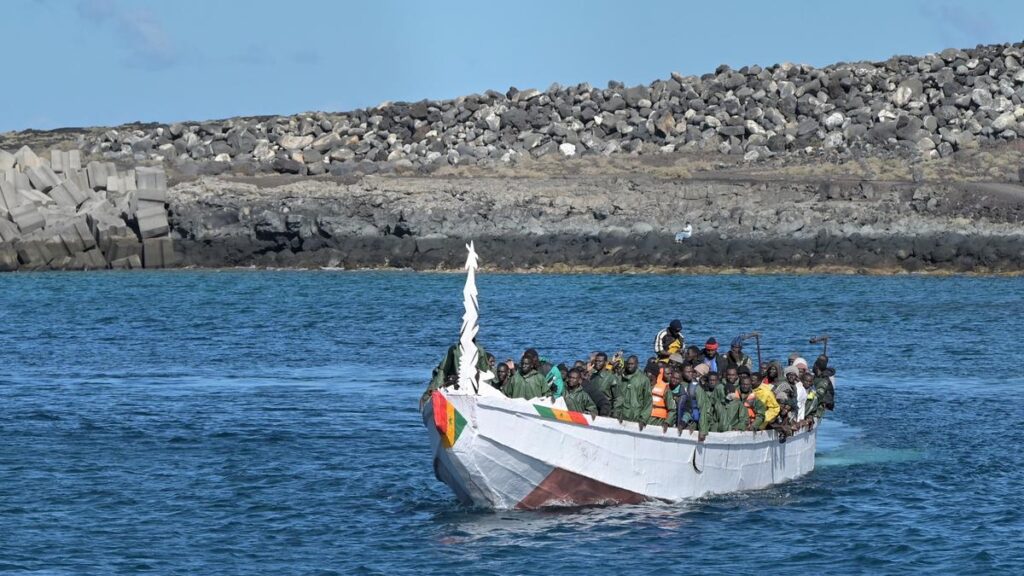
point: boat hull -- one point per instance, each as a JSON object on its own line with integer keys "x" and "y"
{"x": 503, "y": 453}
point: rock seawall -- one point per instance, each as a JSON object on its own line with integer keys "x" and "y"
{"x": 908, "y": 164}
{"x": 925, "y": 107}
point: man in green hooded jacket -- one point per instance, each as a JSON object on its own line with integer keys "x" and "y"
{"x": 710, "y": 400}
{"x": 526, "y": 381}
{"x": 576, "y": 398}
{"x": 603, "y": 379}
{"x": 632, "y": 393}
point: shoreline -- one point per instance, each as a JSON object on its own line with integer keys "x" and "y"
{"x": 568, "y": 270}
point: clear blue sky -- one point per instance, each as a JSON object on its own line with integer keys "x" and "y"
{"x": 106, "y": 62}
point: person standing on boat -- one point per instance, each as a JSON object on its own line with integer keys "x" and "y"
{"x": 503, "y": 376}
{"x": 814, "y": 409}
{"x": 756, "y": 409}
{"x": 447, "y": 372}
{"x": 710, "y": 396}
{"x": 632, "y": 393}
{"x": 602, "y": 381}
{"x": 793, "y": 377}
{"x": 823, "y": 382}
{"x": 715, "y": 362}
{"x": 576, "y": 399}
{"x": 731, "y": 380}
{"x": 669, "y": 341}
{"x": 735, "y": 356}
{"x": 688, "y": 411}
{"x": 526, "y": 381}
{"x": 663, "y": 404}
{"x": 766, "y": 395}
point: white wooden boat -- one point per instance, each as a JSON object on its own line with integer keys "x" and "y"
{"x": 497, "y": 452}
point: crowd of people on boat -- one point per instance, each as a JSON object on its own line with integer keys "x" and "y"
{"x": 687, "y": 387}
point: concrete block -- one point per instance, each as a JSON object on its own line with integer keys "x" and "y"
{"x": 32, "y": 253}
{"x": 63, "y": 161}
{"x": 9, "y": 199}
{"x": 152, "y": 195}
{"x": 99, "y": 172}
{"x": 88, "y": 260}
{"x": 158, "y": 253}
{"x": 7, "y": 160}
{"x": 153, "y": 224}
{"x": 128, "y": 263}
{"x": 28, "y": 218}
{"x": 77, "y": 237}
{"x": 121, "y": 248}
{"x": 8, "y": 259}
{"x": 42, "y": 178}
{"x": 80, "y": 178}
{"x": 63, "y": 197}
{"x": 152, "y": 178}
{"x": 26, "y": 158}
{"x": 30, "y": 196}
{"x": 8, "y": 231}
{"x": 21, "y": 181}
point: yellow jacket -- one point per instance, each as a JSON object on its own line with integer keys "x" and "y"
{"x": 765, "y": 394}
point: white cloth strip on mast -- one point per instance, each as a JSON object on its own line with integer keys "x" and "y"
{"x": 470, "y": 354}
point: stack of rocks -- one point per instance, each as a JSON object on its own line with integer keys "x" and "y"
{"x": 57, "y": 215}
{"x": 928, "y": 106}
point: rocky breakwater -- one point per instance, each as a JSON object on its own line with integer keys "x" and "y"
{"x": 614, "y": 222}
{"x": 920, "y": 107}
{"x": 56, "y": 214}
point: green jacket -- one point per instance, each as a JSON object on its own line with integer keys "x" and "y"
{"x": 710, "y": 403}
{"x": 734, "y": 415}
{"x": 530, "y": 386}
{"x": 606, "y": 381}
{"x": 814, "y": 407}
{"x": 826, "y": 391}
{"x": 577, "y": 400}
{"x": 633, "y": 397}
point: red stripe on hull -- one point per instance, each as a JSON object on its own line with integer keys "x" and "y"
{"x": 564, "y": 488}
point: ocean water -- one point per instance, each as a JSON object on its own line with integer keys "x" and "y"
{"x": 243, "y": 422}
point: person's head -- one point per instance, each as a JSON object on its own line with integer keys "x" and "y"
{"x": 651, "y": 368}
{"x": 792, "y": 358}
{"x": 691, "y": 353}
{"x": 743, "y": 370}
{"x": 544, "y": 367}
{"x": 711, "y": 348}
{"x": 575, "y": 379}
{"x": 746, "y": 383}
{"x": 526, "y": 364}
{"x": 821, "y": 364}
{"x": 532, "y": 353}
{"x": 675, "y": 375}
{"x": 688, "y": 374}
{"x": 675, "y": 360}
{"x": 792, "y": 374}
{"x": 807, "y": 380}
{"x": 563, "y": 370}
{"x": 801, "y": 365}
{"x": 600, "y": 360}
{"x": 736, "y": 348}
{"x": 579, "y": 364}
{"x": 731, "y": 374}
{"x": 675, "y": 327}
{"x": 632, "y": 363}
{"x": 502, "y": 372}
{"x": 712, "y": 379}
{"x": 772, "y": 371}
{"x": 491, "y": 360}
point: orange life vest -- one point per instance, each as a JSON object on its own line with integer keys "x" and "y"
{"x": 659, "y": 408}
{"x": 749, "y": 403}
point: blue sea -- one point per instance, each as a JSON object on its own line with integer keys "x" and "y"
{"x": 244, "y": 422}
